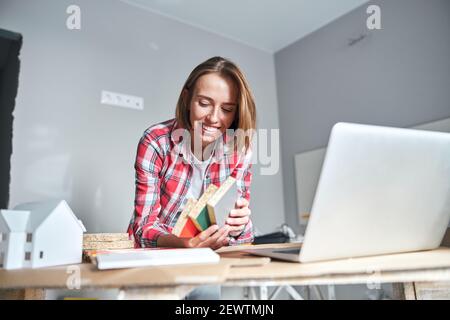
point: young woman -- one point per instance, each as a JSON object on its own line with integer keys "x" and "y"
{"x": 179, "y": 158}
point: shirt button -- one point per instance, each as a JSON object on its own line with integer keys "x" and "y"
{"x": 181, "y": 155}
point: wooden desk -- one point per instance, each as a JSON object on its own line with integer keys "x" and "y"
{"x": 416, "y": 275}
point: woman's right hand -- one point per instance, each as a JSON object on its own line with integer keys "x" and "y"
{"x": 213, "y": 238}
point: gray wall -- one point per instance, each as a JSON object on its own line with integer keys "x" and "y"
{"x": 67, "y": 145}
{"x": 397, "y": 76}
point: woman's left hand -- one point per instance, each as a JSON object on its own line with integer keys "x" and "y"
{"x": 238, "y": 217}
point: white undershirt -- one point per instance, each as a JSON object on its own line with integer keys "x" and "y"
{"x": 198, "y": 175}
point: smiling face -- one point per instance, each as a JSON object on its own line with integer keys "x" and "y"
{"x": 213, "y": 107}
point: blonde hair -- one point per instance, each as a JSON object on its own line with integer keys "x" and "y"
{"x": 245, "y": 118}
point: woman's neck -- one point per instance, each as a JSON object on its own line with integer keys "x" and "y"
{"x": 204, "y": 152}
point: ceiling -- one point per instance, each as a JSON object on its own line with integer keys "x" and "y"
{"x": 269, "y": 25}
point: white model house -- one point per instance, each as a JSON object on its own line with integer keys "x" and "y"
{"x": 43, "y": 234}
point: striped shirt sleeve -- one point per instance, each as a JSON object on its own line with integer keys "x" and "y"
{"x": 145, "y": 226}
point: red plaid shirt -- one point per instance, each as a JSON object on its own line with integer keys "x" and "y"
{"x": 163, "y": 173}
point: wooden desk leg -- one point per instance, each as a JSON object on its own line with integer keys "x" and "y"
{"x": 155, "y": 293}
{"x": 432, "y": 290}
{"x": 34, "y": 294}
{"x": 404, "y": 291}
{"x": 22, "y": 294}
{"x": 9, "y": 294}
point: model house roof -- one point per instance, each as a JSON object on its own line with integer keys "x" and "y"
{"x": 28, "y": 217}
{"x": 14, "y": 221}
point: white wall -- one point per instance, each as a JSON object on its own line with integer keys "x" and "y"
{"x": 67, "y": 145}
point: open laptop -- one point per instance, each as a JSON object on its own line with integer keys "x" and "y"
{"x": 381, "y": 190}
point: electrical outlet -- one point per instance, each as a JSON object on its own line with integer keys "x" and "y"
{"x": 122, "y": 100}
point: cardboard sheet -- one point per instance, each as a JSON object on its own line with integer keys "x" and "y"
{"x": 438, "y": 258}
{"x": 237, "y": 260}
{"x": 58, "y": 277}
{"x": 243, "y": 247}
{"x": 91, "y": 277}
